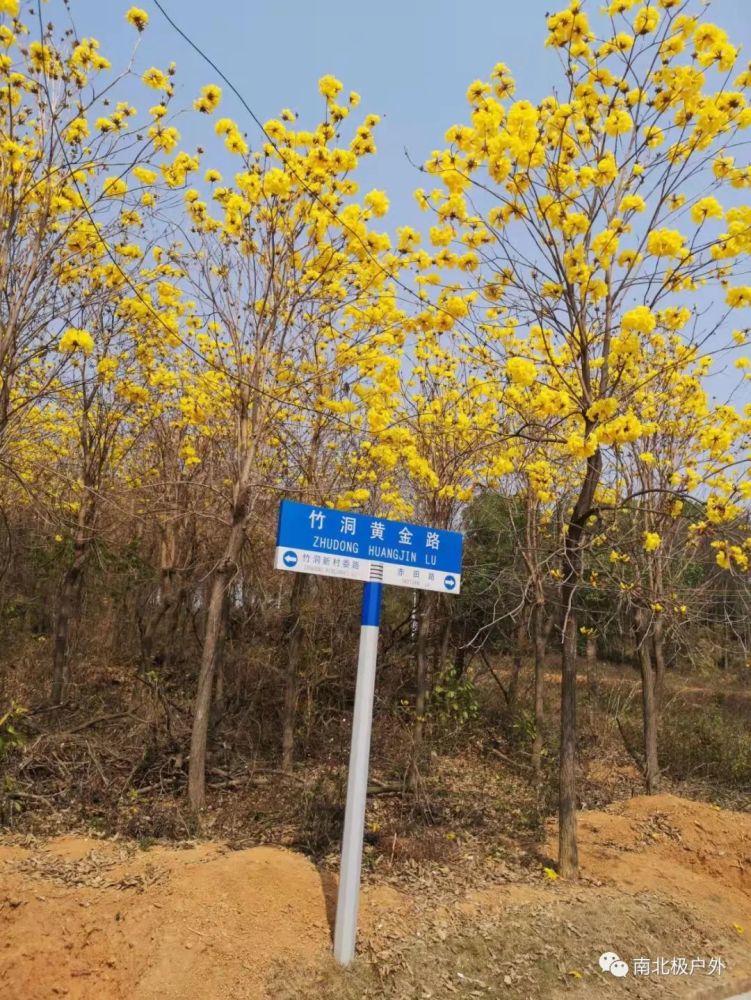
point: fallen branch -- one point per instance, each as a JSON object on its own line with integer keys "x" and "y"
{"x": 379, "y": 789}
{"x": 509, "y": 760}
{"x": 94, "y": 722}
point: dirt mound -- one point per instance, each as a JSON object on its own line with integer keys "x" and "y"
{"x": 686, "y": 849}
{"x": 87, "y": 919}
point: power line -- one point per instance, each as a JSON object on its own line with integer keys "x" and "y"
{"x": 134, "y": 288}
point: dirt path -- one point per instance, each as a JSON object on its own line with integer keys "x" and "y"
{"x": 100, "y": 919}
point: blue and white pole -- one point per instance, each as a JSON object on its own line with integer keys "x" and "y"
{"x": 345, "y": 933}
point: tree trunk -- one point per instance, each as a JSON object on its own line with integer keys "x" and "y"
{"x": 442, "y": 648}
{"x": 169, "y": 594}
{"x": 211, "y": 651}
{"x": 68, "y": 613}
{"x": 516, "y": 669}
{"x": 540, "y": 643}
{"x": 658, "y": 640}
{"x": 568, "y": 854}
{"x": 590, "y": 659}
{"x": 423, "y": 610}
{"x": 69, "y": 609}
{"x": 658, "y": 637}
{"x": 219, "y": 680}
{"x": 292, "y": 644}
{"x": 649, "y": 706}
{"x": 460, "y": 661}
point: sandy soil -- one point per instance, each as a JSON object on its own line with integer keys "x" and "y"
{"x": 86, "y": 919}
{"x": 685, "y": 849}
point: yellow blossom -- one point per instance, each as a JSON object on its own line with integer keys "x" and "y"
{"x": 155, "y": 79}
{"x": 646, "y": 20}
{"x": 137, "y": 17}
{"x": 521, "y": 371}
{"x": 665, "y": 243}
{"x": 76, "y": 340}
{"x": 738, "y": 297}
{"x": 114, "y": 187}
{"x": 209, "y": 100}
{"x": 329, "y": 86}
{"x": 377, "y": 202}
{"x": 706, "y": 208}
{"x": 652, "y": 541}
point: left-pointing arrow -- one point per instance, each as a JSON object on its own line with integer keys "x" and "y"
{"x": 290, "y": 558}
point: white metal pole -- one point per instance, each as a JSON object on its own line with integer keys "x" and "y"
{"x": 345, "y": 933}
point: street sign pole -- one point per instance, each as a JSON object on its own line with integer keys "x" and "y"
{"x": 354, "y": 546}
{"x": 345, "y": 933}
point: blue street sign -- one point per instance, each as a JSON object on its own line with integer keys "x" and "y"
{"x": 373, "y": 549}
{"x": 352, "y": 546}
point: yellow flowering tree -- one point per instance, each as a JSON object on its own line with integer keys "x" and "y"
{"x": 277, "y": 258}
{"x": 589, "y": 211}
{"x": 681, "y": 498}
{"x": 60, "y": 133}
{"x": 105, "y": 395}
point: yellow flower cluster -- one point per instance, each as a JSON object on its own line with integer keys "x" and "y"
{"x": 137, "y": 17}
{"x": 521, "y": 371}
{"x": 652, "y": 541}
{"x": 74, "y": 340}
{"x": 209, "y": 100}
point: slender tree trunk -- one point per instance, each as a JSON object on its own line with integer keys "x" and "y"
{"x": 292, "y": 644}
{"x": 658, "y": 637}
{"x": 68, "y": 614}
{"x": 649, "y": 706}
{"x": 568, "y": 854}
{"x": 168, "y": 595}
{"x": 219, "y": 672}
{"x": 540, "y": 643}
{"x": 442, "y": 648}
{"x": 516, "y": 667}
{"x": 658, "y": 640}
{"x": 424, "y": 606}
{"x": 165, "y": 618}
{"x": 460, "y": 652}
{"x": 4, "y": 405}
{"x": 69, "y": 607}
{"x": 211, "y": 651}
{"x": 174, "y": 627}
{"x": 591, "y": 667}
{"x": 460, "y": 660}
